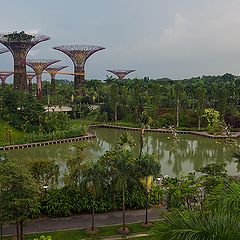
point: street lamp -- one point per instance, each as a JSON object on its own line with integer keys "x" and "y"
{"x": 45, "y": 187}
{"x": 1, "y": 213}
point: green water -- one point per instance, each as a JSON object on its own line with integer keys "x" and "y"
{"x": 191, "y": 153}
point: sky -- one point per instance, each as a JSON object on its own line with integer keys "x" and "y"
{"x": 159, "y": 38}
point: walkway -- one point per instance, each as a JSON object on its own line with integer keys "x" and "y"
{"x": 83, "y": 221}
{"x": 166, "y": 130}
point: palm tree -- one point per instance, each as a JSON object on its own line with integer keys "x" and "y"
{"x": 225, "y": 196}
{"x": 148, "y": 166}
{"x": 198, "y": 225}
{"x": 124, "y": 172}
{"x": 94, "y": 181}
{"x": 125, "y": 141}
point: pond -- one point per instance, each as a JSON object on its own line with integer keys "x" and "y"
{"x": 191, "y": 153}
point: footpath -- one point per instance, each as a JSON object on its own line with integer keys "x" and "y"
{"x": 83, "y": 221}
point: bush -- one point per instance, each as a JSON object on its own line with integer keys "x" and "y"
{"x": 65, "y": 202}
{"x": 42, "y": 237}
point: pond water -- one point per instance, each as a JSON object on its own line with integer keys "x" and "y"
{"x": 191, "y": 153}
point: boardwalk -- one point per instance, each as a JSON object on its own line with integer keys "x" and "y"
{"x": 165, "y": 130}
{"x": 51, "y": 142}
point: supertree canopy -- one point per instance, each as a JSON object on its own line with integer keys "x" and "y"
{"x": 4, "y": 76}
{"x": 39, "y": 65}
{"x": 79, "y": 55}
{"x": 121, "y": 73}
{"x": 53, "y": 71}
{"x": 20, "y": 43}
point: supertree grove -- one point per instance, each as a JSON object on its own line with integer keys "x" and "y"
{"x": 19, "y": 44}
{"x": 39, "y": 65}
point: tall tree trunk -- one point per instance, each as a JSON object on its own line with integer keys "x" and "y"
{"x": 1, "y": 212}
{"x": 115, "y": 113}
{"x": 199, "y": 122}
{"x": 17, "y": 229}
{"x": 123, "y": 208}
{"x": 177, "y": 122}
{"x": 93, "y": 213}
{"x": 141, "y": 141}
{"x": 21, "y": 230}
{"x": 146, "y": 215}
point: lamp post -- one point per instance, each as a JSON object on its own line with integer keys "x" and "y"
{"x": 45, "y": 187}
{"x": 1, "y": 213}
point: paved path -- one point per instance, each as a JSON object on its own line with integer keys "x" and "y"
{"x": 82, "y": 221}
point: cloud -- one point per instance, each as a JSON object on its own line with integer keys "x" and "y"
{"x": 33, "y": 53}
{"x": 33, "y": 31}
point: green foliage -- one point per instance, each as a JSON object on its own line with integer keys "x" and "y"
{"x": 19, "y": 193}
{"x": 125, "y": 141}
{"x": 55, "y": 121}
{"x": 46, "y": 172}
{"x": 214, "y": 174}
{"x": 68, "y": 201}
{"x": 214, "y": 169}
{"x": 225, "y": 196}
{"x": 212, "y": 117}
{"x": 198, "y": 225}
{"x": 42, "y": 237}
{"x": 183, "y": 192}
{"x": 75, "y": 166}
{"x": 36, "y": 137}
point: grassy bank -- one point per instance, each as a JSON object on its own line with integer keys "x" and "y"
{"x": 9, "y": 134}
{"x": 102, "y": 232}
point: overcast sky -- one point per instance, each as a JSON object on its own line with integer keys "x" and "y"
{"x": 159, "y": 38}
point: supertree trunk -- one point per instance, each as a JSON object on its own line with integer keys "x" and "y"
{"x": 30, "y": 88}
{"x": 20, "y": 73}
{"x": 53, "y": 84}
{"x": 39, "y": 86}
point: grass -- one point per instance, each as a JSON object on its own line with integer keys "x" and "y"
{"x": 105, "y": 231}
{"x": 6, "y": 130}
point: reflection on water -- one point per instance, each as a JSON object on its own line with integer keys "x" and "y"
{"x": 191, "y": 153}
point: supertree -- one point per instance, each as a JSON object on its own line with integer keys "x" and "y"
{"x": 53, "y": 71}
{"x": 3, "y": 50}
{"x": 39, "y": 65}
{"x": 4, "y": 76}
{"x": 30, "y": 76}
{"x": 121, "y": 73}
{"x": 20, "y": 44}
{"x": 79, "y": 55}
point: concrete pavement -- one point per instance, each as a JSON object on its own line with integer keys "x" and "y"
{"x": 83, "y": 221}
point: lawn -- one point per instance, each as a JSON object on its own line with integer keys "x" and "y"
{"x": 106, "y": 231}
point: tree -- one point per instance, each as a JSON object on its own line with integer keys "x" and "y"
{"x": 19, "y": 194}
{"x": 124, "y": 173}
{"x": 125, "y": 141}
{"x": 225, "y": 196}
{"x": 114, "y": 99}
{"x": 178, "y": 93}
{"x": 94, "y": 181}
{"x": 75, "y": 166}
{"x": 46, "y": 172}
{"x": 200, "y": 93}
{"x": 148, "y": 166}
{"x": 212, "y": 117}
{"x": 198, "y": 225}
